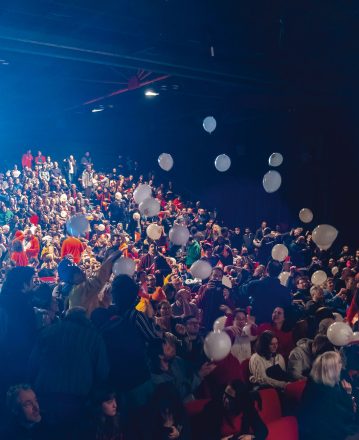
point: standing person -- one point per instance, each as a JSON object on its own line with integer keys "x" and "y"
{"x": 260, "y": 231}
{"x": 17, "y": 324}
{"x": 26, "y": 160}
{"x": 68, "y": 360}
{"x": 86, "y": 160}
{"x": 248, "y": 238}
{"x": 87, "y": 181}
{"x": 73, "y": 246}
{"x": 268, "y": 293}
{"x": 40, "y": 159}
{"x": 32, "y": 245}
{"x": 70, "y": 168}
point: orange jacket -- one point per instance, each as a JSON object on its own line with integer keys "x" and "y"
{"x": 74, "y": 247}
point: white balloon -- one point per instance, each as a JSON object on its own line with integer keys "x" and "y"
{"x": 136, "y": 216}
{"x": 165, "y": 161}
{"x": 247, "y": 330}
{"x": 306, "y": 215}
{"x": 154, "y": 231}
{"x": 150, "y": 207}
{"x": 275, "y": 160}
{"x": 118, "y": 196}
{"x": 335, "y": 270}
{"x": 201, "y": 269}
{"x": 217, "y": 345}
{"x": 219, "y": 324}
{"x": 279, "y": 252}
{"x": 324, "y": 236}
{"x": 101, "y": 227}
{"x": 339, "y": 333}
{"x": 209, "y": 124}
{"x": 78, "y": 225}
{"x": 283, "y": 278}
{"x": 272, "y": 181}
{"x": 63, "y": 214}
{"x": 63, "y": 198}
{"x": 141, "y": 193}
{"x": 179, "y": 235}
{"x": 222, "y": 163}
{"x": 124, "y": 266}
{"x": 319, "y": 277}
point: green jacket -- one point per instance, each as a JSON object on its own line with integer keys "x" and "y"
{"x": 193, "y": 253}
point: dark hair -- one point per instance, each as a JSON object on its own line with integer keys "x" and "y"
{"x": 42, "y": 296}
{"x": 321, "y": 344}
{"x": 17, "y": 246}
{"x": 165, "y": 399}
{"x": 263, "y": 343}
{"x": 16, "y": 279}
{"x": 274, "y": 268}
{"x": 106, "y": 427}
{"x": 124, "y": 293}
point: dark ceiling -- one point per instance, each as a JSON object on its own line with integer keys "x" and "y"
{"x": 277, "y": 75}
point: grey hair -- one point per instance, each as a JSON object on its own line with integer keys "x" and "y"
{"x": 12, "y": 396}
{"x": 326, "y": 369}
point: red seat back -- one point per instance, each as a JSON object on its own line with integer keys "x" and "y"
{"x": 285, "y": 428}
{"x": 271, "y": 408}
{"x": 293, "y": 391}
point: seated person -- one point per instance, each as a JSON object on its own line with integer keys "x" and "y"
{"x": 267, "y": 366}
{"x": 166, "y": 366}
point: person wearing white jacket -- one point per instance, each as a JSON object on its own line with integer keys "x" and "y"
{"x": 267, "y": 366}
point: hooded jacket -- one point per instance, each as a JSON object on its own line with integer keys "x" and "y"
{"x": 300, "y": 359}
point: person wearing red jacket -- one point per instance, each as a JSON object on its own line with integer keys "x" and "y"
{"x": 26, "y": 160}
{"x": 32, "y": 245}
{"x": 18, "y": 255}
{"x": 40, "y": 159}
{"x": 72, "y": 246}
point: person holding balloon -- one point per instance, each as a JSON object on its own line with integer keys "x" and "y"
{"x": 242, "y": 332}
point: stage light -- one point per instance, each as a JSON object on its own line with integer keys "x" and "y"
{"x": 98, "y": 109}
{"x": 151, "y": 93}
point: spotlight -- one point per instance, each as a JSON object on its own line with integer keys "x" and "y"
{"x": 101, "y": 108}
{"x": 151, "y": 93}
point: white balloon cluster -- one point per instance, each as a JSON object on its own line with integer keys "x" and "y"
{"x": 148, "y": 206}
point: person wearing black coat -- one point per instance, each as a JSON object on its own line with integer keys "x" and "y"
{"x": 267, "y": 294}
{"x": 327, "y": 408}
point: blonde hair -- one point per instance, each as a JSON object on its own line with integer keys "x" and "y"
{"x": 326, "y": 369}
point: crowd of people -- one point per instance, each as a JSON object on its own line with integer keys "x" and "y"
{"x": 89, "y": 355}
